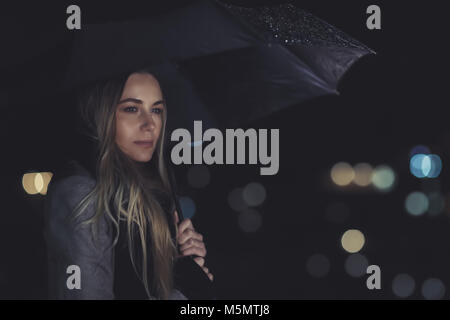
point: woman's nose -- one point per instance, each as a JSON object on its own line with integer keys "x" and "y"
{"x": 147, "y": 121}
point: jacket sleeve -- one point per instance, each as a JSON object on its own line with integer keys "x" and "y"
{"x": 177, "y": 295}
{"x": 71, "y": 244}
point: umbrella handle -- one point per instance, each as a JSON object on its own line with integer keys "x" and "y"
{"x": 192, "y": 281}
{"x": 173, "y": 187}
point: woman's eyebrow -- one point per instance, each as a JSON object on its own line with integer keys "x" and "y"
{"x": 159, "y": 102}
{"x": 130, "y": 100}
{"x": 138, "y": 101}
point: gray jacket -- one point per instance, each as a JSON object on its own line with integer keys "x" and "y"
{"x": 69, "y": 244}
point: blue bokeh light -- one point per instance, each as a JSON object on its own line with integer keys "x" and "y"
{"x": 425, "y": 165}
{"x": 188, "y": 207}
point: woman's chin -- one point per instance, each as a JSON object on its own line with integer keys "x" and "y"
{"x": 143, "y": 158}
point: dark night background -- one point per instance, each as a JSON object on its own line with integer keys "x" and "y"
{"x": 389, "y": 103}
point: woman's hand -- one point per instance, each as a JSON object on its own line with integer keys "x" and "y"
{"x": 191, "y": 243}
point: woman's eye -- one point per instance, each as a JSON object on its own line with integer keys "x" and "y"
{"x": 130, "y": 109}
{"x": 158, "y": 110}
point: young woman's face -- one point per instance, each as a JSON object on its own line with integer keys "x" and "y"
{"x": 139, "y": 117}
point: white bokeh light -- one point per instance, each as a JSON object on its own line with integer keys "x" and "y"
{"x": 403, "y": 285}
{"x": 436, "y": 204}
{"x": 254, "y": 194}
{"x": 249, "y": 220}
{"x": 383, "y": 178}
{"x": 416, "y": 203}
{"x": 356, "y": 265}
{"x": 433, "y": 289}
{"x": 236, "y": 200}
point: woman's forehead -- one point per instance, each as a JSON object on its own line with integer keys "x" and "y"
{"x": 143, "y": 86}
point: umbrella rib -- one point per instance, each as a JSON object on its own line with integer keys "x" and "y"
{"x": 311, "y": 69}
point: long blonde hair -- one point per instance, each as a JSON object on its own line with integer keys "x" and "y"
{"x": 123, "y": 192}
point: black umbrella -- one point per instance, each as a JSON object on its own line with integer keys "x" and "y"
{"x": 242, "y": 63}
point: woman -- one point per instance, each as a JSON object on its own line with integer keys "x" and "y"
{"x": 113, "y": 217}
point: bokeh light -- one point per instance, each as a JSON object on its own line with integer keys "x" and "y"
{"x": 236, "y": 200}
{"x": 416, "y": 203}
{"x": 363, "y": 174}
{"x": 425, "y": 165}
{"x": 254, "y": 194}
{"x": 31, "y": 182}
{"x": 249, "y": 220}
{"x": 436, "y": 203}
{"x": 36, "y": 182}
{"x": 337, "y": 212}
{"x": 352, "y": 240}
{"x": 356, "y": 265}
{"x": 419, "y": 165}
{"x": 318, "y": 265}
{"x": 433, "y": 289}
{"x": 187, "y": 206}
{"x": 383, "y": 178}
{"x": 198, "y": 176}
{"x": 342, "y": 174}
{"x": 28, "y": 183}
{"x": 403, "y": 285}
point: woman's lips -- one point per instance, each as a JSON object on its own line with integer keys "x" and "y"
{"x": 144, "y": 144}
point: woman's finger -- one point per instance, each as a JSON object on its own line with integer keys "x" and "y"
{"x": 209, "y": 274}
{"x": 192, "y": 243}
{"x": 185, "y": 224}
{"x": 201, "y": 252}
{"x": 200, "y": 261}
{"x": 188, "y": 234}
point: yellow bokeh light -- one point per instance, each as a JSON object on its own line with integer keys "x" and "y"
{"x": 342, "y": 174}
{"x": 353, "y": 240}
{"x": 363, "y": 174}
{"x": 36, "y": 182}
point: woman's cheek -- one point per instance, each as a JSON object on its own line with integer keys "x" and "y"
{"x": 125, "y": 134}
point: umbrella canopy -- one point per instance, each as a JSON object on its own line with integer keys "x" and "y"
{"x": 237, "y": 63}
